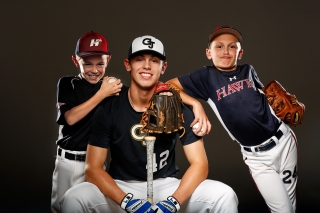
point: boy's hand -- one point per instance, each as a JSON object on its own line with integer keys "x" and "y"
{"x": 200, "y": 117}
{"x": 171, "y": 205}
{"x": 135, "y": 205}
{"x": 110, "y": 86}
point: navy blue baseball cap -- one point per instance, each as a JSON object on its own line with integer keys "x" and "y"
{"x": 92, "y": 43}
{"x": 225, "y": 29}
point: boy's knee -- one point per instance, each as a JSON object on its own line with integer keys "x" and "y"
{"x": 230, "y": 193}
{"x": 75, "y": 196}
{"x": 223, "y": 192}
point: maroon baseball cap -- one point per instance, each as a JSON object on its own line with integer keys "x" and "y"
{"x": 225, "y": 29}
{"x": 92, "y": 43}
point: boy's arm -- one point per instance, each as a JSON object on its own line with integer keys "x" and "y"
{"x": 94, "y": 173}
{"x": 197, "y": 108}
{"x": 107, "y": 89}
{"x": 195, "y": 174}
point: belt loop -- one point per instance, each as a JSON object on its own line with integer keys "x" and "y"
{"x": 63, "y": 154}
{"x": 275, "y": 139}
{"x": 253, "y": 150}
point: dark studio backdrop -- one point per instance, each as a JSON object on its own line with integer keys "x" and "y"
{"x": 281, "y": 40}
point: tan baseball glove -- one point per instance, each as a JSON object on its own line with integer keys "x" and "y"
{"x": 285, "y": 105}
{"x": 164, "y": 113}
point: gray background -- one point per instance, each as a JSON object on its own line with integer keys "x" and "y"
{"x": 281, "y": 40}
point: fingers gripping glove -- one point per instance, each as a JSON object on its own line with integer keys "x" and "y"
{"x": 136, "y": 205}
{"x": 171, "y": 205}
{"x": 285, "y": 105}
{"x": 164, "y": 112}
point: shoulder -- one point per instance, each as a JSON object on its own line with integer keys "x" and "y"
{"x": 201, "y": 72}
{"x": 114, "y": 102}
{"x": 68, "y": 79}
{"x": 245, "y": 66}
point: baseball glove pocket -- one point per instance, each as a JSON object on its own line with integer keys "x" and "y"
{"x": 164, "y": 112}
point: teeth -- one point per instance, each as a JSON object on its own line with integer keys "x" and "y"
{"x": 145, "y": 74}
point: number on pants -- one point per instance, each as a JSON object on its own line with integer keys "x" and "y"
{"x": 289, "y": 174}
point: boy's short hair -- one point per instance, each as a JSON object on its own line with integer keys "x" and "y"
{"x": 224, "y": 29}
{"x": 146, "y": 43}
{"x": 92, "y": 43}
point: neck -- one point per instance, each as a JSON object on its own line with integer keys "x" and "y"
{"x": 139, "y": 99}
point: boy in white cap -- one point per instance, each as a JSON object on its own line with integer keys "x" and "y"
{"x": 116, "y": 128}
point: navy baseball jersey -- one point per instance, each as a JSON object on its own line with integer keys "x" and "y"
{"x": 116, "y": 126}
{"x": 237, "y": 100}
{"x": 73, "y": 91}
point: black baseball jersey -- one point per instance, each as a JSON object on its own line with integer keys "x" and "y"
{"x": 73, "y": 91}
{"x": 237, "y": 100}
{"x": 116, "y": 126}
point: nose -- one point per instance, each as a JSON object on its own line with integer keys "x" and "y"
{"x": 147, "y": 65}
{"x": 226, "y": 50}
{"x": 95, "y": 69}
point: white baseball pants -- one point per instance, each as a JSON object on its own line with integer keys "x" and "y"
{"x": 66, "y": 174}
{"x": 210, "y": 196}
{"x": 275, "y": 172}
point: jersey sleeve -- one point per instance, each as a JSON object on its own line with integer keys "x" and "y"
{"x": 101, "y": 125}
{"x": 196, "y": 84}
{"x": 255, "y": 78}
{"x": 189, "y": 137}
{"x": 65, "y": 98}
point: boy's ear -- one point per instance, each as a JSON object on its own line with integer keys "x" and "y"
{"x": 127, "y": 64}
{"x": 164, "y": 67}
{"x": 240, "y": 54}
{"x": 75, "y": 61}
{"x": 208, "y": 54}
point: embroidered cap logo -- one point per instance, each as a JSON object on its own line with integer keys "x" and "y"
{"x": 95, "y": 42}
{"x": 148, "y": 41}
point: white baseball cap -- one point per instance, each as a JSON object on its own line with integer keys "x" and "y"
{"x": 147, "y": 43}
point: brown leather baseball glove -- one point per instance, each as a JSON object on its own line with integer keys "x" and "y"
{"x": 164, "y": 113}
{"x": 285, "y": 105}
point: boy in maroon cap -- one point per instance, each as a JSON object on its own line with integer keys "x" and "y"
{"x": 234, "y": 92}
{"x": 77, "y": 98}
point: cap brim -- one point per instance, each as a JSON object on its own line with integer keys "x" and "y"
{"x": 162, "y": 57}
{"x": 226, "y": 31}
{"x": 84, "y": 54}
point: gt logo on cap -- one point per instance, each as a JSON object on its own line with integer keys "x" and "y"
{"x": 148, "y": 41}
{"x": 95, "y": 42}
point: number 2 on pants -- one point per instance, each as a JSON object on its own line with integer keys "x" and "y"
{"x": 288, "y": 175}
{"x": 163, "y": 160}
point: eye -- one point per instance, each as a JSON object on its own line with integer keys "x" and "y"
{"x": 218, "y": 46}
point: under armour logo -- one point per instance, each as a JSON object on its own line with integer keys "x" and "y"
{"x": 95, "y": 42}
{"x": 234, "y": 77}
{"x": 147, "y": 41}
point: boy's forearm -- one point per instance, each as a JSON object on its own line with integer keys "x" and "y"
{"x": 186, "y": 99}
{"x": 195, "y": 174}
{"x": 78, "y": 112}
